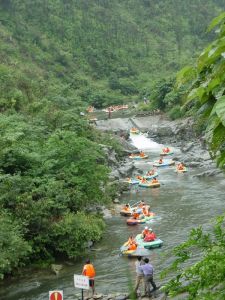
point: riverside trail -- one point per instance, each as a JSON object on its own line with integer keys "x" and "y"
{"x": 181, "y": 203}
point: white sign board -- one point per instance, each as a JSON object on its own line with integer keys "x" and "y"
{"x": 55, "y": 295}
{"x": 81, "y": 282}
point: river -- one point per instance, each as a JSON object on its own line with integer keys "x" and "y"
{"x": 181, "y": 203}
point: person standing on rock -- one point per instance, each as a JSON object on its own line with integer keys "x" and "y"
{"x": 148, "y": 270}
{"x": 139, "y": 273}
{"x": 89, "y": 271}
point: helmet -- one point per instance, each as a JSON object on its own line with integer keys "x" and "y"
{"x": 146, "y": 227}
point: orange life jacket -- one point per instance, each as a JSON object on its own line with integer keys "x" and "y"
{"x": 145, "y": 231}
{"x": 135, "y": 215}
{"x": 89, "y": 270}
{"x": 133, "y": 246}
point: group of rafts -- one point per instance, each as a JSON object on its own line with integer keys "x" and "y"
{"x": 140, "y": 212}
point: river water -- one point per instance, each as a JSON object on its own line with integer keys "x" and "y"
{"x": 181, "y": 203}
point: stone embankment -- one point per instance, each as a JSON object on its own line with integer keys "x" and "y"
{"x": 125, "y": 296}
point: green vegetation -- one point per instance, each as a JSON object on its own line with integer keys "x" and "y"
{"x": 199, "y": 266}
{"x": 99, "y": 52}
{"x": 206, "y": 91}
{"x": 204, "y": 279}
{"x": 50, "y": 171}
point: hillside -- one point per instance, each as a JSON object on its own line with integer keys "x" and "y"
{"x": 97, "y": 51}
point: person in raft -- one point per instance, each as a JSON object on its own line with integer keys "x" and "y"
{"x": 131, "y": 243}
{"x": 150, "y": 236}
{"x": 160, "y": 160}
{"x": 135, "y": 214}
{"x": 142, "y": 154}
{"x": 126, "y": 207}
{"x": 154, "y": 180}
{"x": 180, "y": 166}
{"x": 89, "y": 271}
{"x": 151, "y": 172}
{"x": 141, "y": 204}
{"x": 146, "y": 210}
{"x": 145, "y": 232}
{"x": 166, "y": 150}
{"x": 144, "y": 180}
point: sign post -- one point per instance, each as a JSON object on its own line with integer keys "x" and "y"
{"x": 55, "y": 295}
{"x": 81, "y": 282}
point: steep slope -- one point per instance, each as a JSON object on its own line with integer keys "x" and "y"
{"x": 100, "y": 49}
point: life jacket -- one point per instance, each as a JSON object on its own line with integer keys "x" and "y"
{"x": 135, "y": 215}
{"x": 145, "y": 211}
{"x": 132, "y": 247}
{"x": 145, "y": 232}
{"x": 89, "y": 270}
{"x": 150, "y": 237}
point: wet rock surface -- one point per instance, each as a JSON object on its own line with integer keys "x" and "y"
{"x": 124, "y": 296}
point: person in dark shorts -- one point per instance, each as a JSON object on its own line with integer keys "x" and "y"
{"x": 89, "y": 271}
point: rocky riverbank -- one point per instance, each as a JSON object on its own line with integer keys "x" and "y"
{"x": 179, "y": 133}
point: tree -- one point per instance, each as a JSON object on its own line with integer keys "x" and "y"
{"x": 13, "y": 247}
{"x": 203, "y": 279}
{"x": 207, "y": 89}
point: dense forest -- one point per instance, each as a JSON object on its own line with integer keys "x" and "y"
{"x": 57, "y": 57}
{"x": 97, "y": 51}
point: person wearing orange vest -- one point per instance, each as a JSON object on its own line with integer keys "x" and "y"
{"x": 160, "y": 161}
{"x": 145, "y": 232}
{"x": 89, "y": 271}
{"x": 154, "y": 180}
{"x": 180, "y": 166}
{"x": 135, "y": 215}
{"x": 126, "y": 207}
{"x": 142, "y": 154}
{"x": 132, "y": 246}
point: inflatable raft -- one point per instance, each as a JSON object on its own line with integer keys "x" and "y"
{"x": 132, "y": 221}
{"x": 164, "y": 164}
{"x": 148, "y": 245}
{"x": 149, "y": 185}
{"x": 129, "y": 212}
{"x": 133, "y": 253}
{"x": 132, "y": 181}
{"x": 134, "y": 131}
{"x": 151, "y": 176}
{"x": 138, "y": 157}
{"x": 166, "y": 153}
{"x": 126, "y": 213}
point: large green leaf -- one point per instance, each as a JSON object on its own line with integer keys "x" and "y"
{"x": 216, "y": 21}
{"x": 186, "y": 74}
{"x": 220, "y": 109}
{"x": 211, "y": 54}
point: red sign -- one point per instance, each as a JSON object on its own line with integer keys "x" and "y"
{"x": 56, "y": 295}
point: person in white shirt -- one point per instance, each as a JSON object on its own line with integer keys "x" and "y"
{"x": 139, "y": 273}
